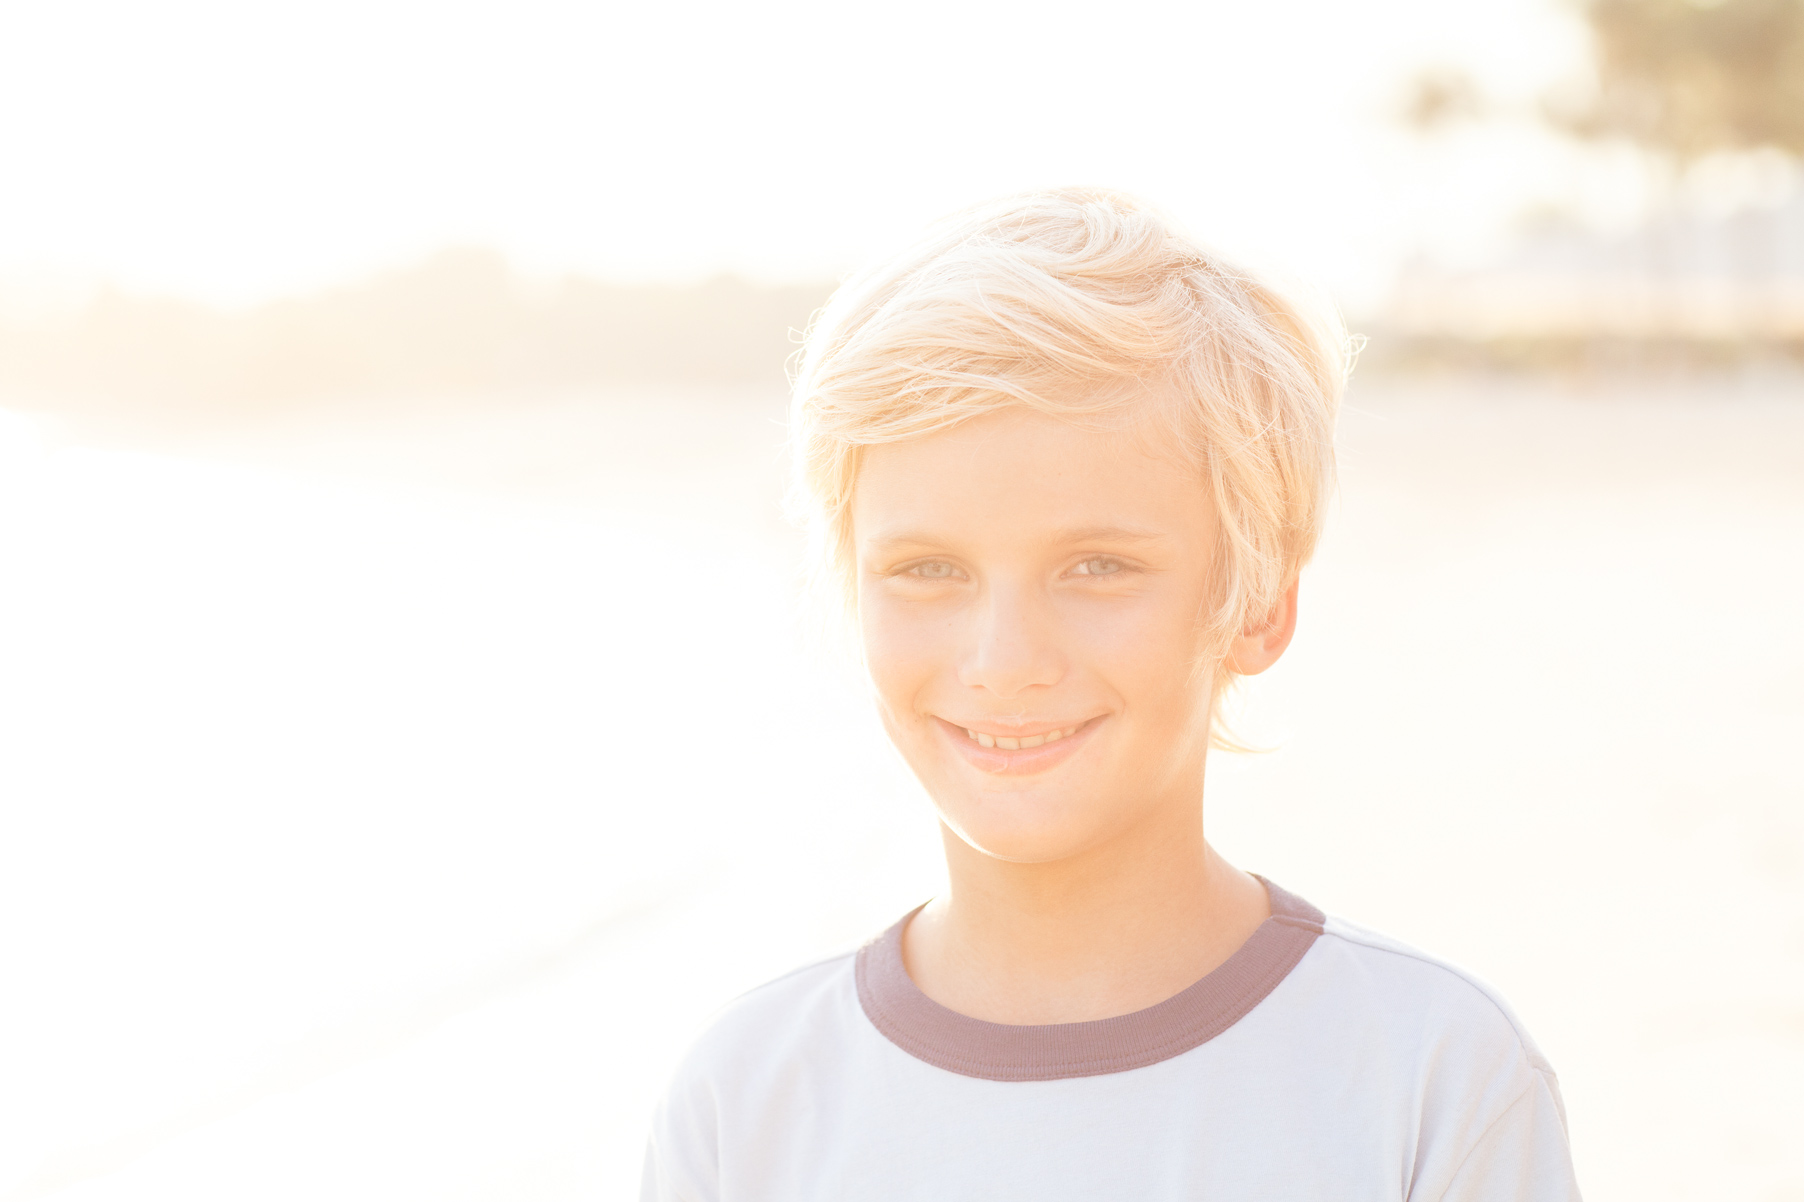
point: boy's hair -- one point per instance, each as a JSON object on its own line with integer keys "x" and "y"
{"x": 1091, "y": 306}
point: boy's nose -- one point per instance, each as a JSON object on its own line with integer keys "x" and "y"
{"x": 1013, "y": 645}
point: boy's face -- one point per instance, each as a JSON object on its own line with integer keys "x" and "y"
{"x": 1030, "y": 595}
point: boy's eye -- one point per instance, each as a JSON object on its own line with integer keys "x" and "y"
{"x": 1097, "y": 565}
{"x": 937, "y": 569}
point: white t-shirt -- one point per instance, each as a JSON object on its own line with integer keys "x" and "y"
{"x": 1320, "y": 1062}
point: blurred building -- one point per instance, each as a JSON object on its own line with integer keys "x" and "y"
{"x": 1684, "y": 277}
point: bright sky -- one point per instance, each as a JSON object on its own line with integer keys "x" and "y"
{"x": 233, "y": 151}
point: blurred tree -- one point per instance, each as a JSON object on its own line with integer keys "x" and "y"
{"x": 1440, "y": 97}
{"x": 1689, "y": 77}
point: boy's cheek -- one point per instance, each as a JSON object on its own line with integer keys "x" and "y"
{"x": 901, "y": 689}
{"x": 903, "y": 650}
{"x": 1124, "y": 631}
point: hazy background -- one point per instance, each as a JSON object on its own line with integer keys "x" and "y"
{"x": 407, "y": 736}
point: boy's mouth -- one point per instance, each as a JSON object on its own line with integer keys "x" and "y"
{"x": 1025, "y": 751}
{"x": 1020, "y": 742}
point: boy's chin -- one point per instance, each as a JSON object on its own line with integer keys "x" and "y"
{"x": 1024, "y": 830}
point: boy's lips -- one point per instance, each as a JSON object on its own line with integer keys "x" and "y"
{"x": 1031, "y": 747}
{"x": 1024, "y": 737}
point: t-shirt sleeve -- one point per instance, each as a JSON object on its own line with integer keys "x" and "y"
{"x": 682, "y": 1155}
{"x": 1523, "y": 1156}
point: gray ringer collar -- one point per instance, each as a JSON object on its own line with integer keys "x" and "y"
{"x": 946, "y": 1039}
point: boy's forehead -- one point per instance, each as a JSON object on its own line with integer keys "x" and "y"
{"x": 1028, "y": 469}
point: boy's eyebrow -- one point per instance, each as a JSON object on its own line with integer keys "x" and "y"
{"x": 1074, "y": 534}
{"x": 1107, "y": 534}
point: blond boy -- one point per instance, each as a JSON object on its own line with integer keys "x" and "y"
{"x": 1066, "y": 467}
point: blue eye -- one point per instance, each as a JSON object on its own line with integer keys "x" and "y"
{"x": 939, "y": 569}
{"x": 1098, "y": 565}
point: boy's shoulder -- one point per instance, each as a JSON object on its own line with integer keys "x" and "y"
{"x": 800, "y": 1006}
{"x": 1363, "y": 978}
{"x": 1386, "y": 982}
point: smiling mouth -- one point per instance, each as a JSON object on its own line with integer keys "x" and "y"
{"x": 1020, "y": 743}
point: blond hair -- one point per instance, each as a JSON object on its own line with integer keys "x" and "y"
{"x": 1091, "y": 306}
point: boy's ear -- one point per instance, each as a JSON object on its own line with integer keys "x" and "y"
{"x": 1264, "y": 639}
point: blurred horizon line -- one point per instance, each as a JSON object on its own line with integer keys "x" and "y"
{"x": 465, "y": 321}
{"x": 460, "y": 321}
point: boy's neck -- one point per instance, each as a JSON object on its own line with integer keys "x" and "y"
{"x": 1119, "y": 928}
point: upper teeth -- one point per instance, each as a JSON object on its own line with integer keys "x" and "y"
{"x": 1007, "y": 744}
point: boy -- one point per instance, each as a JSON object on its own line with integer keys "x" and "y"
{"x": 1066, "y": 468}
